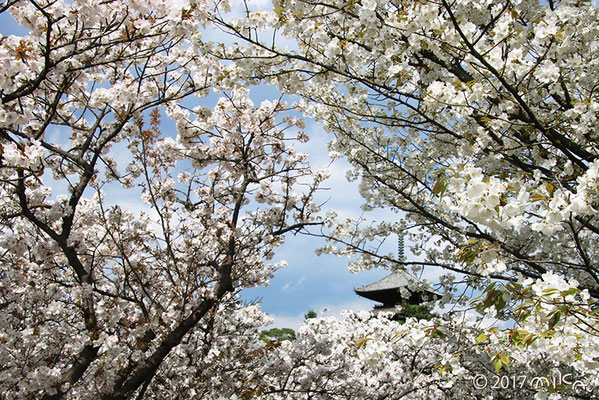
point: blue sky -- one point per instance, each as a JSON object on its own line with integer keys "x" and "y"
{"x": 309, "y": 281}
{"x": 316, "y": 282}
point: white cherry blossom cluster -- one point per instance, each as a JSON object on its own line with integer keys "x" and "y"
{"x": 476, "y": 123}
{"x": 102, "y": 301}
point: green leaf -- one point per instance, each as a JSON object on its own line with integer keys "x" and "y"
{"x": 437, "y": 332}
{"x": 362, "y": 342}
{"x": 538, "y": 197}
{"x": 481, "y": 338}
{"x": 440, "y": 186}
{"x": 571, "y": 291}
{"x": 497, "y": 364}
{"x": 528, "y": 339}
{"x": 499, "y": 361}
{"x": 555, "y": 317}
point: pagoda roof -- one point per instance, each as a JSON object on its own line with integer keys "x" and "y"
{"x": 396, "y": 280}
{"x": 395, "y": 288}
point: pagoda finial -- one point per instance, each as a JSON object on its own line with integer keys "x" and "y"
{"x": 400, "y": 247}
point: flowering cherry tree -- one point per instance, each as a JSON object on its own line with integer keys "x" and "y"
{"x": 477, "y": 123}
{"x": 102, "y": 300}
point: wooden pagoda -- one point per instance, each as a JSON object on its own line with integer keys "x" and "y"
{"x": 397, "y": 288}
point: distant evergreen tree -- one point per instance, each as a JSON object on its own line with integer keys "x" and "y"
{"x": 277, "y": 335}
{"x": 310, "y": 314}
{"x": 418, "y": 311}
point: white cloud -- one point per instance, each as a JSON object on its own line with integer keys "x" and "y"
{"x": 295, "y": 321}
{"x": 294, "y": 286}
{"x": 281, "y": 321}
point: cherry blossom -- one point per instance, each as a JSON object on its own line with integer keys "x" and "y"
{"x": 102, "y": 301}
{"x": 476, "y": 124}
